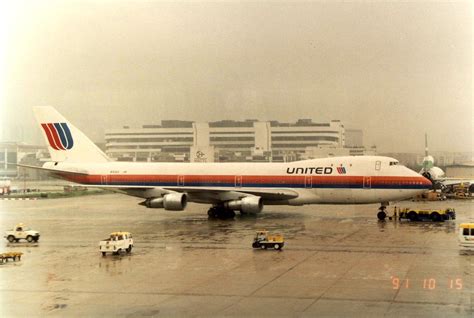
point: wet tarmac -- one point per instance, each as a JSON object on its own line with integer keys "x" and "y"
{"x": 338, "y": 261}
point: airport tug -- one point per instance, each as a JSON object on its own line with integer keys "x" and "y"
{"x": 435, "y": 215}
{"x": 116, "y": 243}
{"x": 264, "y": 240}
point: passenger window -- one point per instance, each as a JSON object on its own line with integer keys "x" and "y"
{"x": 465, "y": 231}
{"x": 377, "y": 165}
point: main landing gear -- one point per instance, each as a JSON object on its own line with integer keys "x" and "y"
{"x": 219, "y": 212}
{"x": 382, "y": 214}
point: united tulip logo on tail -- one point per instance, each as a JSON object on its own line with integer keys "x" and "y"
{"x": 59, "y": 135}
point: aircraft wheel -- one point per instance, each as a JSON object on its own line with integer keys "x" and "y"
{"x": 381, "y": 215}
{"x": 229, "y": 214}
{"x": 213, "y": 213}
{"x": 223, "y": 214}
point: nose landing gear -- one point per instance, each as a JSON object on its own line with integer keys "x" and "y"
{"x": 382, "y": 214}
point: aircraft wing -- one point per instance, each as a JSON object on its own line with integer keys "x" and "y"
{"x": 216, "y": 194}
{"x": 204, "y": 194}
{"x": 451, "y": 181}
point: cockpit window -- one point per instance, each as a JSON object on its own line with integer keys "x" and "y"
{"x": 393, "y": 163}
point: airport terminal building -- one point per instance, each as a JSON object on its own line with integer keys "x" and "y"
{"x": 225, "y": 140}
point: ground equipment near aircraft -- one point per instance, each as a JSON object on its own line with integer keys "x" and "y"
{"x": 4, "y": 257}
{"x": 21, "y": 232}
{"x": 466, "y": 236}
{"x": 462, "y": 191}
{"x": 116, "y": 243}
{"x": 264, "y": 240}
{"x": 435, "y": 215}
{"x": 431, "y": 195}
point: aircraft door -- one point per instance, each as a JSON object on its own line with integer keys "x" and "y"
{"x": 308, "y": 182}
{"x": 103, "y": 180}
{"x": 378, "y": 164}
{"x": 238, "y": 181}
{"x": 180, "y": 181}
{"x": 367, "y": 184}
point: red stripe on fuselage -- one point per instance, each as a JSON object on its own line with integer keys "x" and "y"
{"x": 229, "y": 179}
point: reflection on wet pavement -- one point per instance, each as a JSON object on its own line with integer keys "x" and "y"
{"x": 336, "y": 259}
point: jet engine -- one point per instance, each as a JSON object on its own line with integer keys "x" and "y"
{"x": 433, "y": 174}
{"x": 250, "y": 204}
{"x": 170, "y": 201}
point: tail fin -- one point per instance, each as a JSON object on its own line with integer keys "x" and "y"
{"x": 66, "y": 142}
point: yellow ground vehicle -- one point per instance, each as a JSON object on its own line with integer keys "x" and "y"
{"x": 264, "y": 240}
{"x": 435, "y": 215}
{"x": 461, "y": 191}
{"x": 466, "y": 235}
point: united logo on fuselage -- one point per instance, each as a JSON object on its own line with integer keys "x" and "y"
{"x": 59, "y": 135}
{"x": 309, "y": 170}
{"x": 341, "y": 170}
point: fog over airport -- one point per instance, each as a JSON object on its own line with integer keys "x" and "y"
{"x": 395, "y": 70}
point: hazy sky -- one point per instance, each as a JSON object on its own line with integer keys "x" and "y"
{"x": 395, "y": 70}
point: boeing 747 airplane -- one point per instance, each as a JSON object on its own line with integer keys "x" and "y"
{"x": 227, "y": 187}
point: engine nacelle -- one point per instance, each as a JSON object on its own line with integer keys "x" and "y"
{"x": 156, "y": 203}
{"x": 175, "y": 201}
{"x": 433, "y": 174}
{"x": 251, "y": 204}
{"x": 171, "y": 201}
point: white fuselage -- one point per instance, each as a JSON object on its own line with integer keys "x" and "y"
{"x": 337, "y": 180}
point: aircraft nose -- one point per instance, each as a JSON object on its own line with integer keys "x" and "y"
{"x": 426, "y": 183}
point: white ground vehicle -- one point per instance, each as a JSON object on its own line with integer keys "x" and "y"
{"x": 116, "y": 243}
{"x": 21, "y": 232}
{"x": 466, "y": 236}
